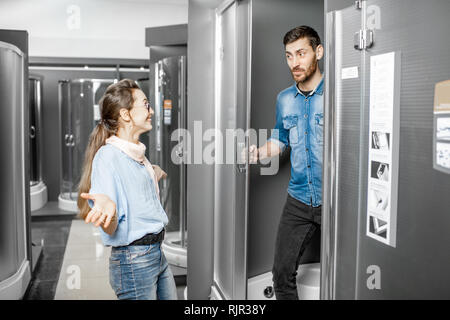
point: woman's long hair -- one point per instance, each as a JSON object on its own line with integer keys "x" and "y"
{"x": 117, "y": 96}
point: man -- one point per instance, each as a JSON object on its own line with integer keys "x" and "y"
{"x": 299, "y": 124}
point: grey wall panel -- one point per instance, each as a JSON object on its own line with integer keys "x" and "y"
{"x": 270, "y": 75}
{"x": 166, "y": 35}
{"x": 332, "y": 5}
{"x": 417, "y": 267}
{"x": 200, "y": 177}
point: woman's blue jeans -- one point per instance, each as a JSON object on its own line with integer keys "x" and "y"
{"x": 141, "y": 273}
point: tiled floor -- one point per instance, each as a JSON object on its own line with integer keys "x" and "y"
{"x": 74, "y": 262}
{"x": 52, "y": 234}
{"x": 84, "y": 272}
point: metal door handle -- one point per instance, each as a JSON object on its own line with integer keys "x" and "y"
{"x": 69, "y": 140}
{"x": 32, "y": 132}
{"x": 241, "y": 168}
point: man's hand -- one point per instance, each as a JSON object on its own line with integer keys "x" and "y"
{"x": 103, "y": 212}
{"x": 253, "y": 154}
{"x": 160, "y": 174}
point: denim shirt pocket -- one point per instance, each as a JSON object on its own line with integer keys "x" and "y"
{"x": 319, "y": 127}
{"x": 290, "y": 124}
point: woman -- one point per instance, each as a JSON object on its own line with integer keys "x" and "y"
{"x": 124, "y": 196}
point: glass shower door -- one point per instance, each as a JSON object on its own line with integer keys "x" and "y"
{"x": 79, "y": 112}
{"x": 67, "y": 190}
{"x": 170, "y": 120}
{"x": 409, "y": 248}
{"x": 397, "y": 250}
{"x": 341, "y": 155}
{"x": 34, "y": 85}
{"x": 232, "y": 105}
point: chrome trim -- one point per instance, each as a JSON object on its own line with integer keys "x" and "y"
{"x": 81, "y": 80}
{"x": 106, "y": 69}
{"x": 248, "y": 126}
{"x": 13, "y": 48}
{"x": 224, "y": 6}
{"x": 182, "y": 119}
{"x": 23, "y": 151}
{"x": 328, "y": 241}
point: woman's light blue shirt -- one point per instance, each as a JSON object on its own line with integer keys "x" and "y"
{"x": 127, "y": 183}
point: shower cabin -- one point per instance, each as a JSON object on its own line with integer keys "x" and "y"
{"x": 15, "y": 266}
{"x": 169, "y": 146}
{"x": 38, "y": 189}
{"x": 248, "y": 70}
{"x": 79, "y": 114}
{"x": 386, "y": 179}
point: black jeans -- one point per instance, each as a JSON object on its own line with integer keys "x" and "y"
{"x": 297, "y": 226}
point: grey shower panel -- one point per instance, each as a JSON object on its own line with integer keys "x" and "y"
{"x": 354, "y": 264}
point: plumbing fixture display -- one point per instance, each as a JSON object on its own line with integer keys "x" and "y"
{"x": 79, "y": 114}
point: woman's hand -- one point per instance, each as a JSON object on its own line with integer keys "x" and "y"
{"x": 103, "y": 213}
{"x": 160, "y": 174}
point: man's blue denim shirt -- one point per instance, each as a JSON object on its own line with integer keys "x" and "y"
{"x": 300, "y": 126}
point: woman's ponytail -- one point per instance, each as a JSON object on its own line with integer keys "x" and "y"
{"x": 96, "y": 140}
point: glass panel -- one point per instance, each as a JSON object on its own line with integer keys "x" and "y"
{"x": 11, "y": 87}
{"x": 414, "y": 267}
{"x": 225, "y": 173}
{"x": 79, "y": 114}
{"x": 171, "y": 94}
{"x": 344, "y": 105}
{"x": 66, "y": 140}
{"x": 34, "y": 113}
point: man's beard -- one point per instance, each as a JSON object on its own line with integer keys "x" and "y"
{"x": 307, "y": 74}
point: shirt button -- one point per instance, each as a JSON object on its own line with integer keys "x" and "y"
{"x": 310, "y": 182}
{"x": 306, "y": 116}
{"x": 306, "y": 132}
{"x": 309, "y": 166}
{"x": 307, "y": 149}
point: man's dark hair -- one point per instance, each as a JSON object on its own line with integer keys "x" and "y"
{"x": 302, "y": 32}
